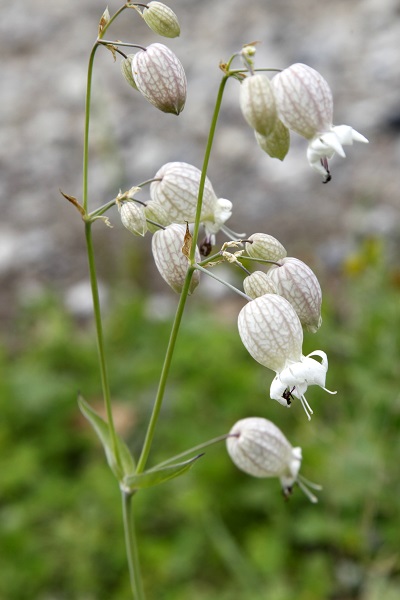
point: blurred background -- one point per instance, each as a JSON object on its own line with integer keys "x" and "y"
{"x": 214, "y": 533}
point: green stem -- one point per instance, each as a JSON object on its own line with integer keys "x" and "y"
{"x": 100, "y": 341}
{"x": 185, "y": 290}
{"x": 132, "y": 547}
{"x": 231, "y": 287}
{"x": 195, "y": 449}
{"x": 164, "y": 373}
{"x": 205, "y": 165}
{"x": 86, "y": 130}
{"x": 87, "y": 109}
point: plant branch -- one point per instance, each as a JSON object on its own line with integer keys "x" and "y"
{"x": 132, "y": 547}
{"x": 100, "y": 342}
{"x": 164, "y": 373}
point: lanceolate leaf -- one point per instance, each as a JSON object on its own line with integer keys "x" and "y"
{"x": 101, "y": 428}
{"x": 155, "y": 476}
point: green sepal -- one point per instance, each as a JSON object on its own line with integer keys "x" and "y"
{"x": 103, "y": 432}
{"x": 156, "y": 475}
{"x": 277, "y": 143}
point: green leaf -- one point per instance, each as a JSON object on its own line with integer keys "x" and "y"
{"x": 158, "y": 475}
{"x": 103, "y": 432}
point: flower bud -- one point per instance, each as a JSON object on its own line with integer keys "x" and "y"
{"x": 271, "y": 331}
{"x": 277, "y": 143}
{"x": 265, "y": 246}
{"x": 160, "y": 77}
{"x": 133, "y": 217}
{"x": 170, "y": 261}
{"x": 126, "y": 70}
{"x": 258, "y": 103}
{"x": 295, "y": 281}
{"x": 259, "y": 448}
{"x": 178, "y": 190}
{"x": 161, "y": 19}
{"x": 257, "y": 284}
{"x": 155, "y": 212}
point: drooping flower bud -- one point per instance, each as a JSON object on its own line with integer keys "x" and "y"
{"x": 277, "y": 143}
{"x": 259, "y": 448}
{"x": 126, "y": 70}
{"x": 161, "y": 19}
{"x": 272, "y": 333}
{"x": 160, "y": 77}
{"x": 305, "y": 105}
{"x": 169, "y": 259}
{"x": 156, "y": 213}
{"x": 257, "y": 284}
{"x": 133, "y": 217}
{"x": 258, "y": 103}
{"x": 295, "y": 281}
{"x": 178, "y": 191}
{"x": 265, "y": 247}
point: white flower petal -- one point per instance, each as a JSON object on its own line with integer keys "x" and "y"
{"x": 347, "y": 135}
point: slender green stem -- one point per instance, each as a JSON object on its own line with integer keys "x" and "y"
{"x": 195, "y": 449}
{"x": 87, "y": 108}
{"x": 185, "y": 290}
{"x": 231, "y": 287}
{"x": 132, "y": 547}
{"x": 118, "y": 43}
{"x": 100, "y": 341}
{"x": 164, "y": 373}
{"x": 86, "y": 130}
{"x": 205, "y": 164}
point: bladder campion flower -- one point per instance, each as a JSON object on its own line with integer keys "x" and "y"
{"x": 272, "y": 333}
{"x": 161, "y": 19}
{"x": 259, "y": 448}
{"x": 305, "y": 105}
{"x": 159, "y": 76}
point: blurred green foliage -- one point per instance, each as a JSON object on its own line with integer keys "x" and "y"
{"x": 215, "y": 532}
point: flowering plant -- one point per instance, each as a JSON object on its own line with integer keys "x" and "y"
{"x": 278, "y": 303}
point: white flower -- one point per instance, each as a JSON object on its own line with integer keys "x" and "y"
{"x": 257, "y": 447}
{"x": 272, "y": 333}
{"x": 305, "y": 105}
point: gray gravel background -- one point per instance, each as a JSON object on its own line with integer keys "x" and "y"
{"x": 44, "y": 50}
